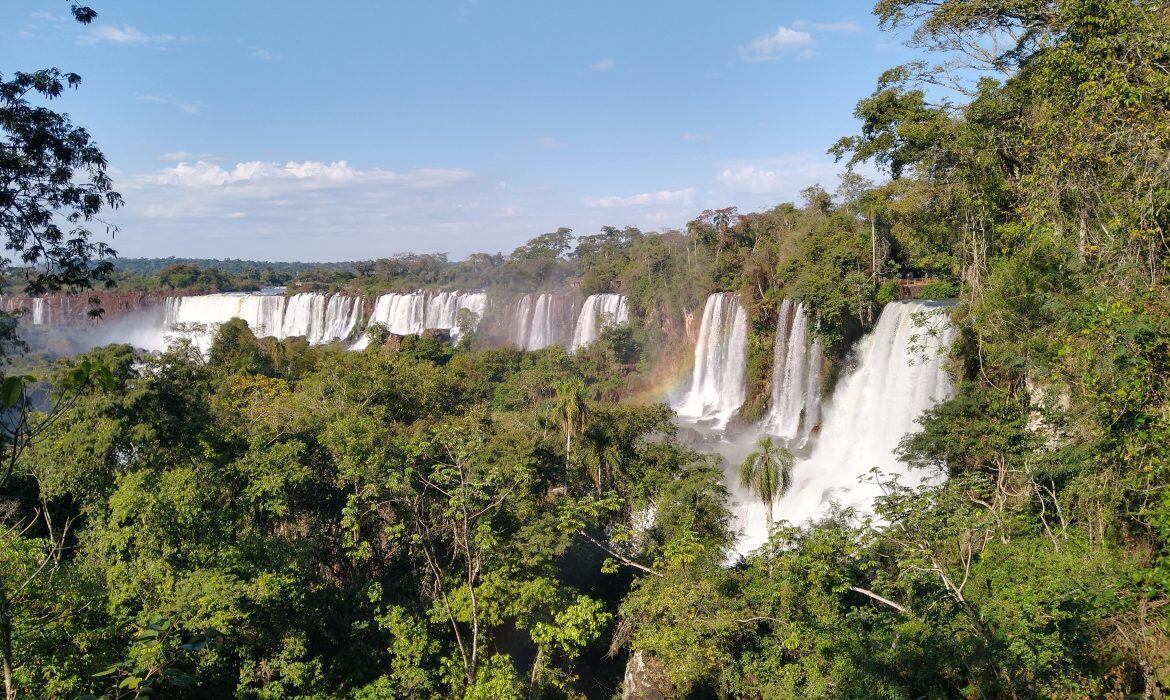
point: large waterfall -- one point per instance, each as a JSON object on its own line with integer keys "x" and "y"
{"x": 538, "y": 321}
{"x": 717, "y": 384}
{"x": 318, "y": 318}
{"x": 899, "y": 373}
{"x": 411, "y": 314}
{"x": 598, "y": 312}
{"x": 796, "y": 378}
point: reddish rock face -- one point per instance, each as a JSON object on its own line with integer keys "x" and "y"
{"x": 69, "y": 309}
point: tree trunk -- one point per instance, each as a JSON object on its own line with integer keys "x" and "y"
{"x": 873, "y": 245}
{"x": 6, "y": 644}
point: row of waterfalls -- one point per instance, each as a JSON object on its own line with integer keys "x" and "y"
{"x": 40, "y": 311}
{"x": 894, "y": 374}
{"x": 528, "y": 321}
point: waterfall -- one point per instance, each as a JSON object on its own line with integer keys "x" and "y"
{"x": 521, "y": 321}
{"x": 318, "y": 318}
{"x": 42, "y": 312}
{"x": 443, "y": 310}
{"x": 899, "y": 374}
{"x": 304, "y": 314}
{"x": 599, "y": 311}
{"x": 796, "y": 378}
{"x": 263, "y": 312}
{"x": 411, "y": 314}
{"x": 717, "y": 385}
{"x": 343, "y": 316}
{"x": 538, "y": 321}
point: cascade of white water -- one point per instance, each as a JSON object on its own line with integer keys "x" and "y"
{"x": 540, "y": 329}
{"x": 598, "y": 312}
{"x": 900, "y": 373}
{"x": 537, "y": 321}
{"x": 796, "y": 378}
{"x": 42, "y": 313}
{"x": 304, "y": 314}
{"x": 411, "y": 314}
{"x": 521, "y": 321}
{"x": 343, "y": 315}
{"x": 314, "y": 316}
{"x": 264, "y": 313}
{"x": 442, "y": 310}
{"x": 718, "y": 386}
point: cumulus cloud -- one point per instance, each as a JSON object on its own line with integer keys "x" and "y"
{"x": 309, "y": 210}
{"x": 603, "y": 64}
{"x": 777, "y": 178}
{"x": 784, "y": 41}
{"x": 264, "y": 54}
{"x": 125, "y": 35}
{"x": 172, "y": 101}
{"x": 680, "y": 197}
{"x": 306, "y": 173}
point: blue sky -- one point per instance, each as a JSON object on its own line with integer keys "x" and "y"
{"x": 359, "y": 129}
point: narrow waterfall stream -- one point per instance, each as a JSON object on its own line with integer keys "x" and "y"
{"x": 598, "y": 312}
{"x": 718, "y": 388}
{"x": 796, "y": 378}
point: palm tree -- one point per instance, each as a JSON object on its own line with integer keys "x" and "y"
{"x": 607, "y": 455}
{"x": 767, "y": 472}
{"x": 570, "y": 409}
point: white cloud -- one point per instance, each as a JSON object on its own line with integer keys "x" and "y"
{"x": 680, "y": 197}
{"x": 603, "y": 64}
{"x": 312, "y": 210}
{"x": 847, "y": 26}
{"x": 783, "y": 42}
{"x": 176, "y": 102}
{"x": 778, "y": 178}
{"x": 125, "y": 35}
{"x": 549, "y": 142}
{"x": 265, "y": 54}
{"x": 306, "y": 174}
{"x": 696, "y": 137}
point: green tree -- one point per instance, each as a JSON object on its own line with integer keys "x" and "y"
{"x": 52, "y": 174}
{"x": 767, "y": 473}
{"x": 570, "y": 410}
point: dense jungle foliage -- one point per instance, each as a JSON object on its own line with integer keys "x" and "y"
{"x": 275, "y": 521}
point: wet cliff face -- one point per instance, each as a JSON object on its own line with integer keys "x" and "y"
{"x": 69, "y": 309}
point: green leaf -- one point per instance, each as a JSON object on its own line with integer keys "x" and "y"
{"x": 11, "y": 390}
